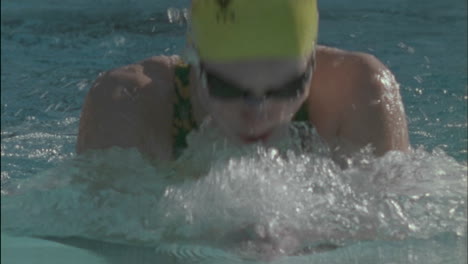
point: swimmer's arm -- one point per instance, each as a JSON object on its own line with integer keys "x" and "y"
{"x": 374, "y": 114}
{"x": 130, "y": 107}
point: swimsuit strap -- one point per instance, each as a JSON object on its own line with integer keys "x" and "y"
{"x": 183, "y": 120}
{"x": 302, "y": 114}
{"x": 303, "y": 125}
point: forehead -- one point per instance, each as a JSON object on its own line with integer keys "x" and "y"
{"x": 258, "y": 73}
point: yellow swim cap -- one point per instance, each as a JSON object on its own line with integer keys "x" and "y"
{"x": 233, "y": 30}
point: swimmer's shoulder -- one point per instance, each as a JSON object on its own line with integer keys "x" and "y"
{"x": 131, "y": 106}
{"x": 352, "y": 66}
{"x": 353, "y": 74}
{"x": 359, "y": 61}
{"x": 146, "y": 84}
{"x": 360, "y": 98}
{"x": 154, "y": 73}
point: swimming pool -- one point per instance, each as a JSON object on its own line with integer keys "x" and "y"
{"x": 53, "y": 50}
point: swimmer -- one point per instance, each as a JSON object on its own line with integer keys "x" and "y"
{"x": 253, "y": 67}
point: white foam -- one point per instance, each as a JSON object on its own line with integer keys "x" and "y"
{"x": 220, "y": 194}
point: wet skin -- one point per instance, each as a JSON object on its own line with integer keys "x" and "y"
{"x": 353, "y": 101}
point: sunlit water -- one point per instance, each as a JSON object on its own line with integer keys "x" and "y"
{"x": 219, "y": 203}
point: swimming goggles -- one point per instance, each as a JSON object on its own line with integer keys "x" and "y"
{"x": 227, "y": 91}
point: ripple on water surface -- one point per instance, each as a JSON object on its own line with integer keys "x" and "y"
{"x": 255, "y": 202}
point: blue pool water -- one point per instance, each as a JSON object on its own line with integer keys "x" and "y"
{"x": 53, "y": 50}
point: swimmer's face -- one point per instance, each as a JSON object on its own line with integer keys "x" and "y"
{"x": 254, "y": 100}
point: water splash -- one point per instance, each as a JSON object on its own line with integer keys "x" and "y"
{"x": 253, "y": 200}
{"x": 178, "y": 16}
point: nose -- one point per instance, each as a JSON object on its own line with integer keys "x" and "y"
{"x": 254, "y": 101}
{"x": 254, "y": 110}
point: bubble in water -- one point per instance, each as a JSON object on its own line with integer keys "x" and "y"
{"x": 245, "y": 199}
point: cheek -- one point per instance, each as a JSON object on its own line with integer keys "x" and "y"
{"x": 227, "y": 112}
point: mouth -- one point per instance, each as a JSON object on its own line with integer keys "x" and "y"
{"x": 249, "y": 139}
